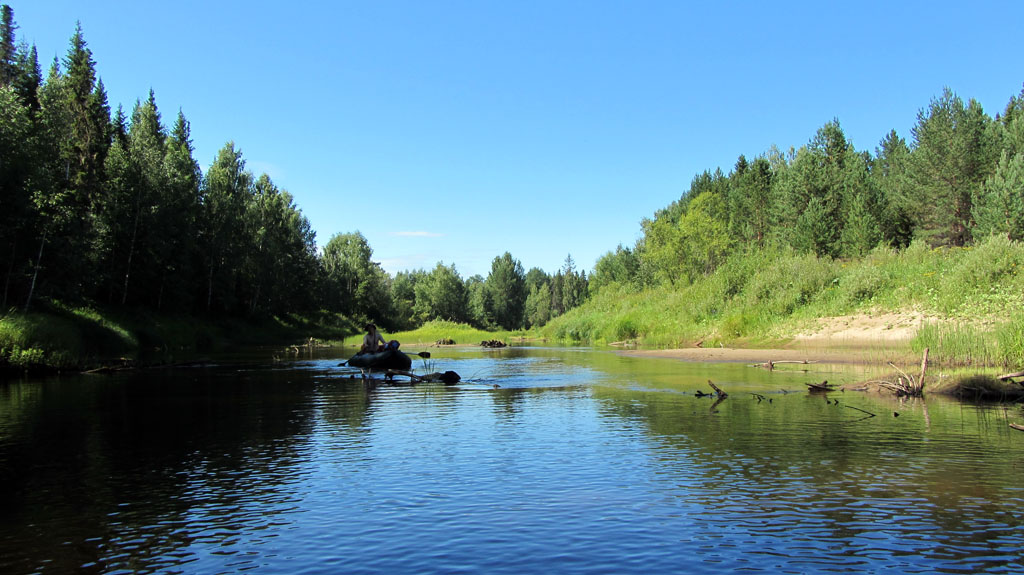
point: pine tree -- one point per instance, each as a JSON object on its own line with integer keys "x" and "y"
{"x": 8, "y": 62}
{"x": 952, "y": 157}
{"x": 506, "y": 292}
{"x": 889, "y": 172}
{"x": 28, "y": 77}
{"x": 999, "y": 204}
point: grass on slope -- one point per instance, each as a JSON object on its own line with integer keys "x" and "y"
{"x": 766, "y": 296}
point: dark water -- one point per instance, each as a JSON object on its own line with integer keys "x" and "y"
{"x": 579, "y": 462}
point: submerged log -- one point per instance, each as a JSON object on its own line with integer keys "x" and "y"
{"x": 770, "y": 365}
{"x": 821, "y": 387}
{"x": 447, "y": 377}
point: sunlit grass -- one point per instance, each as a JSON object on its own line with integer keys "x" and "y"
{"x": 765, "y": 296}
{"x": 432, "y": 332}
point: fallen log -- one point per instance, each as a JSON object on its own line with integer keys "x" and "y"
{"x": 1017, "y": 426}
{"x": 820, "y": 387}
{"x": 1010, "y": 377}
{"x": 448, "y": 377}
{"x": 770, "y": 365}
{"x": 721, "y": 394}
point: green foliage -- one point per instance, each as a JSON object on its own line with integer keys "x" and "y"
{"x": 506, "y": 292}
{"x": 618, "y": 267}
{"x": 441, "y": 295}
{"x": 538, "y": 306}
{"x": 436, "y": 330}
{"x": 999, "y": 203}
{"x": 117, "y": 212}
{"x": 954, "y": 154}
{"x": 766, "y": 294}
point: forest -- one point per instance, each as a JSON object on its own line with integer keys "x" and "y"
{"x": 107, "y": 207}
{"x": 110, "y": 208}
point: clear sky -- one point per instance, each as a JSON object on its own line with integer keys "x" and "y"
{"x": 455, "y": 131}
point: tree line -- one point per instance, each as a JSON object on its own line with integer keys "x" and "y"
{"x": 958, "y": 180}
{"x": 111, "y": 207}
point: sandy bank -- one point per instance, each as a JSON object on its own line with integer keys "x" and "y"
{"x": 863, "y": 338}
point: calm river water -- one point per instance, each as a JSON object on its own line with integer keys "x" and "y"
{"x": 544, "y": 460}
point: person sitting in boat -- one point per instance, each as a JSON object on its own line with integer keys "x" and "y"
{"x": 371, "y": 339}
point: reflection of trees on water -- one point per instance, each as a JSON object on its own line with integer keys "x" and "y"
{"x": 195, "y": 444}
{"x": 940, "y": 474}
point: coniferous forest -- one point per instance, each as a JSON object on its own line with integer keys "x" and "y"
{"x": 108, "y": 206}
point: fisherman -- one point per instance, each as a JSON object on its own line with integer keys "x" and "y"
{"x": 371, "y": 339}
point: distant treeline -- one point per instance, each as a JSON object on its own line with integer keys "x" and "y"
{"x": 106, "y": 207}
{"x": 960, "y": 179}
{"x": 113, "y": 209}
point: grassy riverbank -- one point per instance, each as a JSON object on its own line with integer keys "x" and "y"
{"x": 54, "y": 337}
{"x": 968, "y": 303}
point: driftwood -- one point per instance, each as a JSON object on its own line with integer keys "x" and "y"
{"x": 721, "y": 394}
{"x": 1010, "y": 377}
{"x": 860, "y": 410}
{"x": 907, "y": 385}
{"x": 1017, "y": 426}
{"x": 821, "y": 387}
{"x": 492, "y": 344}
{"x": 770, "y": 365}
{"x": 448, "y": 377}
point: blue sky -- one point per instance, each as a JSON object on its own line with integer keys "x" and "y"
{"x": 455, "y": 131}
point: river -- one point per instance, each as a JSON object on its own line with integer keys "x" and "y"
{"x": 555, "y": 460}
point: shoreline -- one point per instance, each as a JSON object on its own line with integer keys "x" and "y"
{"x": 866, "y": 355}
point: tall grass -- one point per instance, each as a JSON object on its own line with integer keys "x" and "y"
{"x": 997, "y": 343}
{"x": 765, "y": 296}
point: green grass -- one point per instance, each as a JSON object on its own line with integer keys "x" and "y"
{"x": 437, "y": 330}
{"x": 766, "y": 297}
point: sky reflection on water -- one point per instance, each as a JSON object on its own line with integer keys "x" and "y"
{"x": 579, "y": 461}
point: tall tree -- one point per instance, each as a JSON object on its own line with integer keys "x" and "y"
{"x": 952, "y": 157}
{"x": 618, "y": 267}
{"x": 8, "y": 63}
{"x": 16, "y": 175}
{"x": 441, "y": 294}
{"x": 999, "y": 204}
{"x": 479, "y": 303}
{"x": 28, "y": 77}
{"x": 889, "y": 172}
{"x": 506, "y": 287}
{"x": 403, "y": 298}
{"x": 89, "y": 113}
{"x": 574, "y": 285}
{"x": 347, "y": 261}
{"x": 225, "y": 194}
{"x": 180, "y": 214}
{"x": 538, "y": 305}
